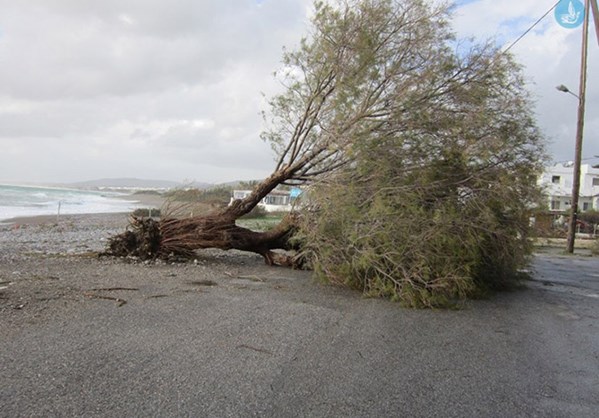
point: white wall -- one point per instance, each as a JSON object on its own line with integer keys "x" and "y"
{"x": 557, "y": 184}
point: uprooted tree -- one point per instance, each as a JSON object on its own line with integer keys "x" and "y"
{"x": 379, "y": 89}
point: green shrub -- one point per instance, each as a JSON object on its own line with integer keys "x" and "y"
{"x": 215, "y": 196}
{"x": 146, "y": 212}
{"x": 590, "y": 220}
{"x": 148, "y": 192}
{"x": 256, "y": 213}
{"x": 399, "y": 245}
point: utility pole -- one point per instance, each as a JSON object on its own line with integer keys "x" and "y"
{"x": 595, "y": 17}
{"x": 579, "y": 130}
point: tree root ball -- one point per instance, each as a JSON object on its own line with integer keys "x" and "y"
{"x": 141, "y": 241}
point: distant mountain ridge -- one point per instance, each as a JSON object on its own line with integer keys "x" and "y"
{"x": 135, "y": 183}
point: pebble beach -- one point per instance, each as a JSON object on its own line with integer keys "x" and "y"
{"x": 48, "y": 263}
{"x": 70, "y": 234}
{"x": 65, "y": 234}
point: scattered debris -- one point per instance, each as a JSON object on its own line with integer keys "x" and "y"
{"x": 120, "y": 302}
{"x": 252, "y": 278}
{"x": 40, "y": 277}
{"x": 202, "y": 283}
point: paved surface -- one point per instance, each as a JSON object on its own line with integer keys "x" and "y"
{"x": 576, "y": 272}
{"x": 273, "y": 343}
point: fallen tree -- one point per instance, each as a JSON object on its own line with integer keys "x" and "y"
{"x": 340, "y": 84}
{"x": 179, "y": 237}
{"x": 370, "y": 71}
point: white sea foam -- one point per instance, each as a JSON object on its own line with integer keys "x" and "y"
{"x": 17, "y": 201}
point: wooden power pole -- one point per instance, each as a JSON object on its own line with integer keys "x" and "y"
{"x": 579, "y": 130}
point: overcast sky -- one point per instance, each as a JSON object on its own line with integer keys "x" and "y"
{"x": 172, "y": 90}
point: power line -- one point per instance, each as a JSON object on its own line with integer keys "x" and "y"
{"x": 531, "y": 28}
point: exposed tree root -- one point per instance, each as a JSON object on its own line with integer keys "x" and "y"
{"x": 148, "y": 239}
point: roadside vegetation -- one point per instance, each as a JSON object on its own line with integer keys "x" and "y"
{"x": 551, "y": 229}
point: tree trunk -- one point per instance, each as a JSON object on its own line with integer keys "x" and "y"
{"x": 171, "y": 237}
{"x": 183, "y": 236}
{"x": 241, "y": 207}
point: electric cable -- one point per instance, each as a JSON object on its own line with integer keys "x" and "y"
{"x": 530, "y": 28}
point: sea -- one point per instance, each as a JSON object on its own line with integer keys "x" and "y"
{"x": 17, "y": 201}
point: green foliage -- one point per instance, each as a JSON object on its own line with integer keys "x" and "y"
{"x": 217, "y": 195}
{"x": 146, "y": 212}
{"x": 148, "y": 192}
{"x": 400, "y": 244}
{"x": 589, "y": 216}
{"x": 256, "y": 213}
{"x": 432, "y": 207}
{"x": 260, "y": 224}
{"x": 247, "y": 185}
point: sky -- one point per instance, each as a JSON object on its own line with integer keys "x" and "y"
{"x": 173, "y": 90}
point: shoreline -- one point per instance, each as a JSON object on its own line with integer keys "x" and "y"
{"x": 155, "y": 201}
{"x": 37, "y": 220}
{"x": 142, "y": 200}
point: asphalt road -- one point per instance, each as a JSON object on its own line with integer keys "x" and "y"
{"x": 277, "y": 345}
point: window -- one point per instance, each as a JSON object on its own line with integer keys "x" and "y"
{"x": 555, "y": 179}
{"x": 595, "y": 181}
{"x": 276, "y": 200}
{"x": 239, "y": 194}
{"x": 586, "y": 206}
{"x": 555, "y": 205}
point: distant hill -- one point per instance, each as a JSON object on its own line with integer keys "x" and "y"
{"x": 237, "y": 183}
{"x": 135, "y": 183}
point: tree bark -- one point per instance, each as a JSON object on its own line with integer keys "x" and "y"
{"x": 244, "y": 206}
{"x": 181, "y": 237}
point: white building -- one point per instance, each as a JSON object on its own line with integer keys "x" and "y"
{"x": 275, "y": 201}
{"x": 557, "y": 185}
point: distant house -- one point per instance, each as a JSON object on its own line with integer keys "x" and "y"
{"x": 556, "y": 182}
{"x": 275, "y": 201}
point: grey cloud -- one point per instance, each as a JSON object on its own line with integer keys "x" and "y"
{"x": 557, "y": 111}
{"x": 550, "y": 55}
{"x": 92, "y": 88}
{"x": 116, "y": 87}
{"x": 84, "y": 49}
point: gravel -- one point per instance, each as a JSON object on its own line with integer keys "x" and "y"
{"x": 72, "y": 234}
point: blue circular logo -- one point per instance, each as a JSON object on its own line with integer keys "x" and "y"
{"x": 569, "y": 13}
